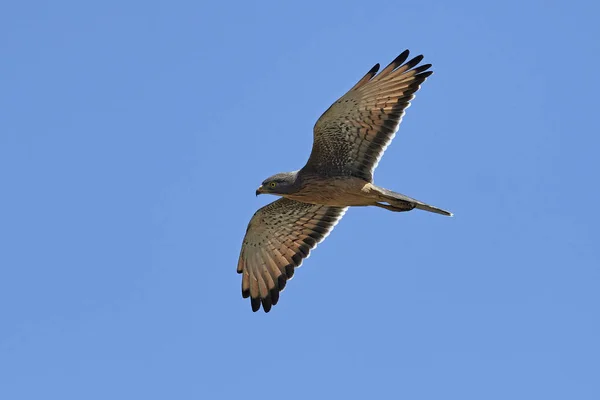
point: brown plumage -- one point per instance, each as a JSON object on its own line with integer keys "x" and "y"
{"x": 349, "y": 140}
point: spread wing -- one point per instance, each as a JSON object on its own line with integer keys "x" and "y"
{"x": 279, "y": 236}
{"x": 351, "y": 136}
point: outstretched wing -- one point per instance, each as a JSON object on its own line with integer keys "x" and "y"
{"x": 351, "y": 136}
{"x": 279, "y": 236}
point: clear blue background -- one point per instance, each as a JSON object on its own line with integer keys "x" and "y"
{"x": 133, "y": 136}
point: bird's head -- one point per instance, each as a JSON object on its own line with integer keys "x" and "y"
{"x": 279, "y": 184}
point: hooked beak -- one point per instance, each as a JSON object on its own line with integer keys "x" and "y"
{"x": 259, "y": 190}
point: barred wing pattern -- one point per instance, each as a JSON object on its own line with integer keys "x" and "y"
{"x": 279, "y": 237}
{"x": 352, "y": 135}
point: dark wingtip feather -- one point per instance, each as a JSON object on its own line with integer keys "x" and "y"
{"x": 422, "y": 68}
{"x": 425, "y": 75}
{"x": 304, "y": 249}
{"x": 281, "y": 281}
{"x": 266, "y": 303}
{"x": 368, "y": 76}
{"x": 297, "y": 259}
{"x": 401, "y": 58}
{"x": 414, "y": 61}
{"x": 395, "y": 64}
{"x": 245, "y": 293}
{"x": 289, "y": 270}
{"x": 255, "y": 303}
{"x": 274, "y": 295}
{"x": 374, "y": 70}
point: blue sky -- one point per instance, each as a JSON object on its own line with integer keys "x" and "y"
{"x": 133, "y": 136}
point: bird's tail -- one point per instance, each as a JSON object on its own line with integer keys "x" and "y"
{"x": 400, "y": 202}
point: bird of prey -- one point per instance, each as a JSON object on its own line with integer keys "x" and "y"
{"x": 349, "y": 140}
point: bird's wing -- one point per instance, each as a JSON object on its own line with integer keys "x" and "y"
{"x": 351, "y": 136}
{"x": 279, "y": 236}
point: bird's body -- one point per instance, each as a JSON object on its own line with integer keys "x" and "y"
{"x": 349, "y": 140}
{"x": 342, "y": 192}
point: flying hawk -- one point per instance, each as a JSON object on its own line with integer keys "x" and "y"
{"x": 349, "y": 140}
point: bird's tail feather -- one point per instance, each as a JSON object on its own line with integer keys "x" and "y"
{"x": 402, "y": 202}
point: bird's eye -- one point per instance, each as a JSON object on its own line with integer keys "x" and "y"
{"x": 272, "y": 184}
